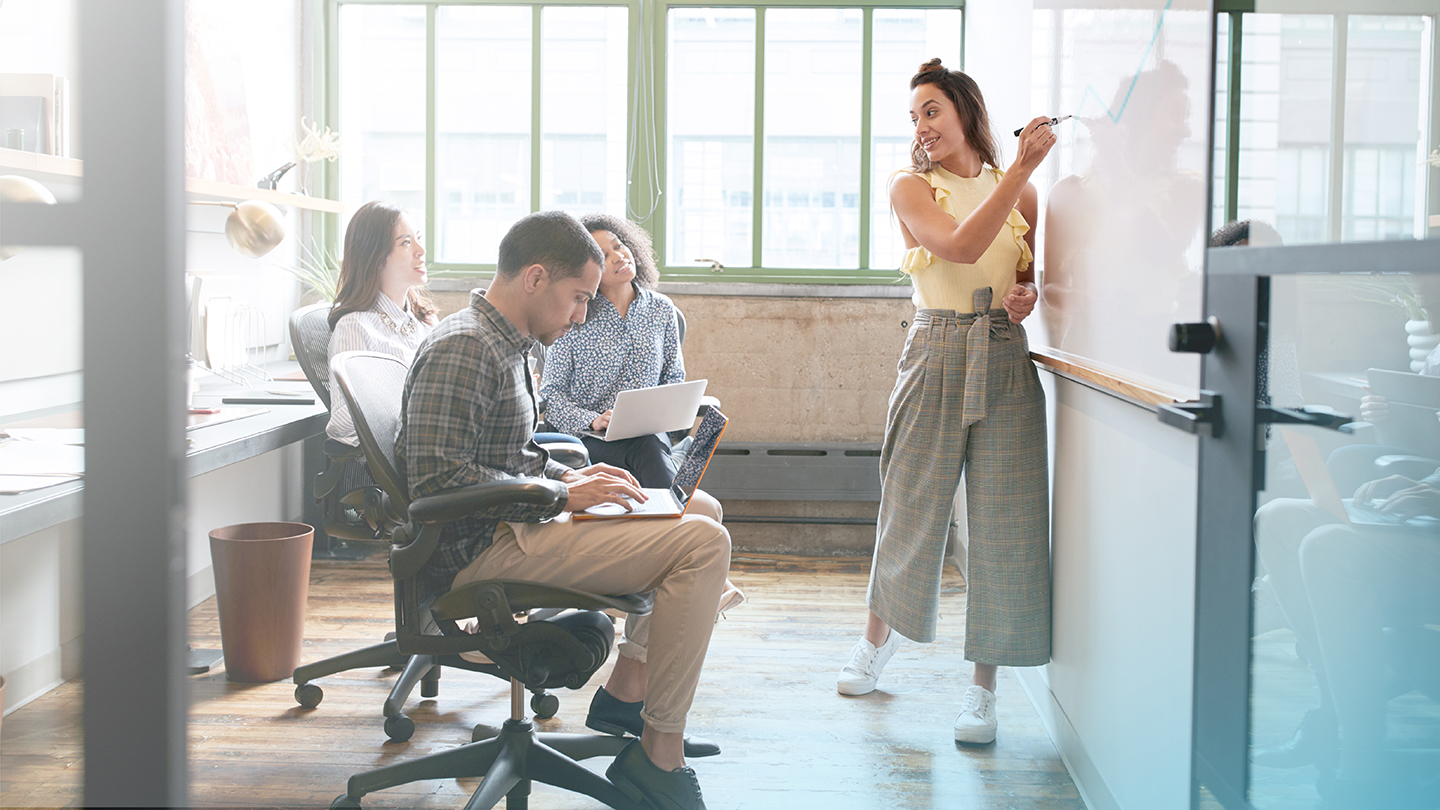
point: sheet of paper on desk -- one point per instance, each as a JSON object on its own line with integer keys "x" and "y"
{"x": 16, "y": 484}
{"x": 36, "y": 458}
{"x": 46, "y": 435}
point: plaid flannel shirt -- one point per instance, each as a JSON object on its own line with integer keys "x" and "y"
{"x": 468, "y": 417}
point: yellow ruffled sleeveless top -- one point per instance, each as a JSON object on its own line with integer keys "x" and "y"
{"x": 941, "y": 284}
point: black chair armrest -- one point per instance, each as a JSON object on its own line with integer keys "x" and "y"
{"x": 453, "y": 504}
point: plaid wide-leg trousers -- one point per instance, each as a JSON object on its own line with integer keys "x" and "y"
{"x": 967, "y": 399}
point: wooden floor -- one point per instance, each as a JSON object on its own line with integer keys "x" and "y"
{"x": 767, "y": 696}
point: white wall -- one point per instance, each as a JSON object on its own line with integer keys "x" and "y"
{"x": 40, "y": 599}
{"x": 1116, "y": 696}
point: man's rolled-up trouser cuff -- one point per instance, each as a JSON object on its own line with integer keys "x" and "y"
{"x": 636, "y": 639}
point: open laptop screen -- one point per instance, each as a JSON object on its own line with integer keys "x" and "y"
{"x": 702, "y": 447}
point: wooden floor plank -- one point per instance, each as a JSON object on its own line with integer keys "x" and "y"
{"x": 768, "y": 696}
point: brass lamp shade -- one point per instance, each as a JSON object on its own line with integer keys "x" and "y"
{"x": 254, "y": 228}
{"x": 16, "y": 189}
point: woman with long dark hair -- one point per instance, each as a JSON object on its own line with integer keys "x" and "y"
{"x": 381, "y": 304}
{"x": 967, "y": 399}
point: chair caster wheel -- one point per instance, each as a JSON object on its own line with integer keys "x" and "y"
{"x": 345, "y": 801}
{"x": 545, "y": 705}
{"x": 483, "y": 732}
{"x": 399, "y": 728}
{"x": 309, "y": 695}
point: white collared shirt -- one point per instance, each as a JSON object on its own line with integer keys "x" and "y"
{"x": 366, "y": 331}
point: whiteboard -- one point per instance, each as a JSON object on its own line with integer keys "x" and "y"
{"x": 1125, "y": 191}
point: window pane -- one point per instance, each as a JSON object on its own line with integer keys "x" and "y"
{"x": 903, "y": 40}
{"x": 583, "y": 109}
{"x": 1222, "y": 119}
{"x": 1285, "y": 102}
{"x": 482, "y": 99}
{"x": 382, "y": 105}
{"x": 812, "y": 138}
{"x": 1385, "y": 61}
{"x": 711, "y": 123}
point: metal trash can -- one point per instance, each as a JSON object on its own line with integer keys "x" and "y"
{"x": 262, "y": 578}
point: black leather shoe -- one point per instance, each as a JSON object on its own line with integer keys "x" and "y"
{"x": 1316, "y": 742}
{"x": 637, "y": 777}
{"x": 609, "y": 715}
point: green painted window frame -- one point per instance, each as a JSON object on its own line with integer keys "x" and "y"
{"x": 648, "y": 21}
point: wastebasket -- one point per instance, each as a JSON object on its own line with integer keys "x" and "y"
{"x": 262, "y": 578}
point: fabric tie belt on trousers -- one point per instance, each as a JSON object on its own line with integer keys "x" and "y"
{"x": 980, "y": 325}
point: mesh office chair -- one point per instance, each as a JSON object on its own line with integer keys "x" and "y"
{"x": 562, "y": 651}
{"x": 348, "y": 515}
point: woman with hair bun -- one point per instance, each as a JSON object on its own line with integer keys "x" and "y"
{"x": 968, "y": 399}
{"x": 380, "y": 306}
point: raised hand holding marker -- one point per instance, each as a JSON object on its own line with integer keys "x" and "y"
{"x": 1053, "y": 122}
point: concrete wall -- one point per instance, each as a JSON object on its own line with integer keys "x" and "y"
{"x": 793, "y": 369}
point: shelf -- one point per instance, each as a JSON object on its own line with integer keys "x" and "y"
{"x": 59, "y": 167}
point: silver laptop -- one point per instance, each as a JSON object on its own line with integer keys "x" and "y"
{"x": 675, "y": 501}
{"x": 660, "y": 409}
{"x": 1324, "y": 493}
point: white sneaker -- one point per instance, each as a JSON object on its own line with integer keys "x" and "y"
{"x": 866, "y": 663}
{"x": 976, "y": 723}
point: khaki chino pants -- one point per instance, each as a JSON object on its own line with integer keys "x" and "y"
{"x": 683, "y": 560}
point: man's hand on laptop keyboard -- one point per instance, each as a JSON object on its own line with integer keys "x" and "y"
{"x": 601, "y": 483}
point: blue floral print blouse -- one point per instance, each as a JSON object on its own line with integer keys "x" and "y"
{"x": 607, "y": 354}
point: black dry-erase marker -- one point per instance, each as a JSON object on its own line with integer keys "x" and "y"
{"x": 1053, "y": 122}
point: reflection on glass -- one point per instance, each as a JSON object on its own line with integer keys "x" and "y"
{"x": 582, "y": 159}
{"x": 1287, "y": 71}
{"x": 1345, "y": 656}
{"x": 382, "y": 105}
{"x": 1385, "y": 80}
{"x": 1222, "y": 118}
{"x": 903, "y": 40}
{"x": 1290, "y": 174}
{"x": 1125, "y": 222}
{"x": 482, "y": 119}
{"x": 711, "y": 178}
{"x": 812, "y": 138}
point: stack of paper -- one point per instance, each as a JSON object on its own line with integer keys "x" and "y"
{"x": 27, "y": 464}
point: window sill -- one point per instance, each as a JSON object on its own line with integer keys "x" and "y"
{"x": 732, "y": 289}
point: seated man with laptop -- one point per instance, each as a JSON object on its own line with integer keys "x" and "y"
{"x": 468, "y": 417}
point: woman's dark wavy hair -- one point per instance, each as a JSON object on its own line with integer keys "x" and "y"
{"x": 635, "y": 238}
{"x": 964, "y": 93}
{"x": 369, "y": 238}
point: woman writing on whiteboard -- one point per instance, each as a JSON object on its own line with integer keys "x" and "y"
{"x": 967, "y": 399}
{"x": 380, "y": 306}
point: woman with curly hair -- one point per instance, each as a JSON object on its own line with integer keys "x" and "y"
{"x": 630, "y": 339}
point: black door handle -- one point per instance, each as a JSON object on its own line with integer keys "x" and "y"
{"x": 1305, "y": 415}
{"x": 1201, "y": 416}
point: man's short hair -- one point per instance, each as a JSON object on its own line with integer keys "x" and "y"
{"x": 553, "y": 239}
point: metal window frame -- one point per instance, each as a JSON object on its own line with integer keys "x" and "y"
{"x": 1335, "y": 179}
{"x": 648, "y": 20}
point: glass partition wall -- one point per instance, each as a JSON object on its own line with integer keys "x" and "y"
{"x": 1318, "y": 584}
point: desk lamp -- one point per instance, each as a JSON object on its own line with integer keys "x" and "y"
{"x": 16, "y": 189}
{"x": 253, "y": 228}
